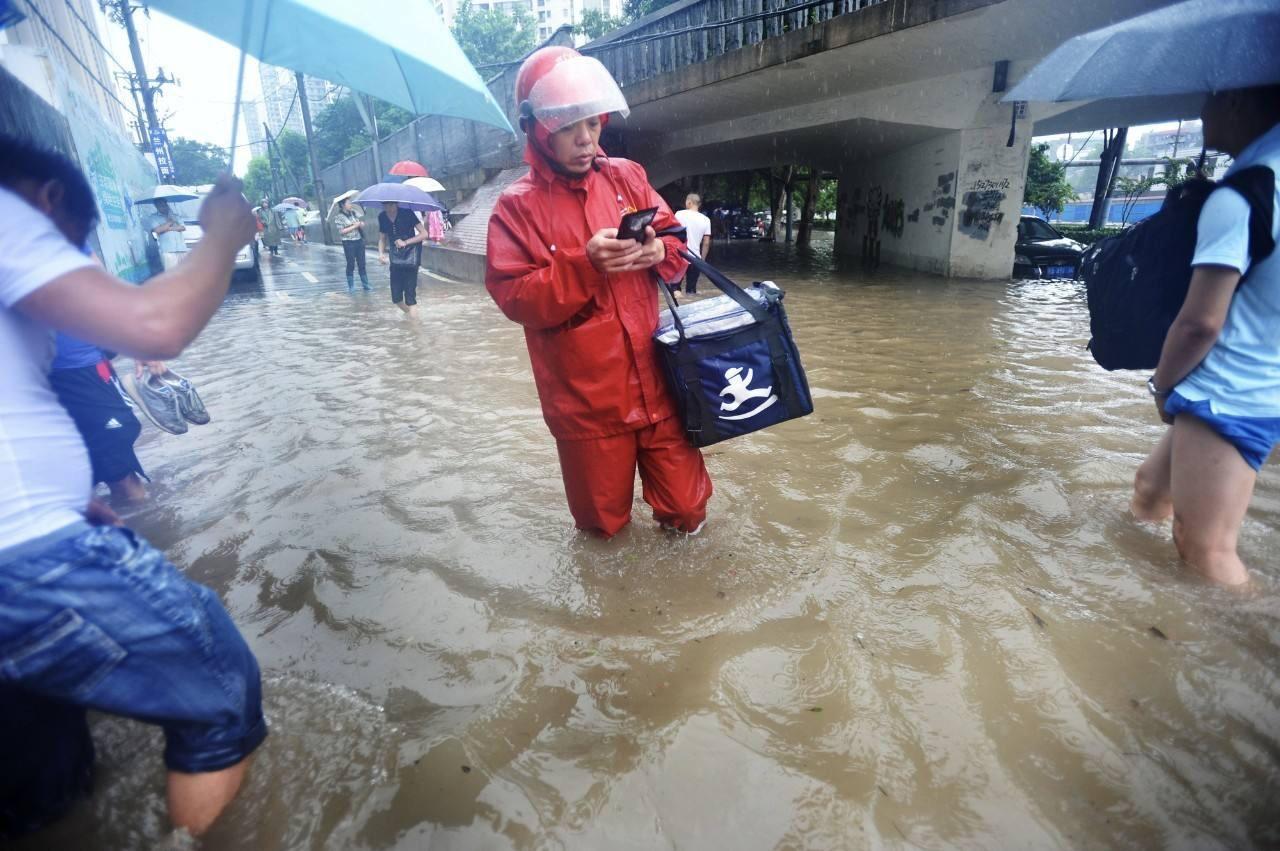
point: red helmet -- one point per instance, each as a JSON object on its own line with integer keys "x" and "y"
{"x": 558, "y": 86}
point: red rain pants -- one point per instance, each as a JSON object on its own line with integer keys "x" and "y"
{"x": 600, "y": 473}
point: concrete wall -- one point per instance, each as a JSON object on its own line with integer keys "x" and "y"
{"x": 27, "y": 116}
{"x": 948, "y": 205}
{"x": 48, "y": 108}
{"x": 905, "y": 202}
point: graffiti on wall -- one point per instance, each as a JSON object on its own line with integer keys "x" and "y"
{"x": 981, "y": 211}
{"x": 871, "y": 240}
{"x": 895, "y": 216}
{"x": 942, "y": 200}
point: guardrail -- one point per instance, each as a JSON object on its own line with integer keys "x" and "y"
{"x": 693, "y": 32}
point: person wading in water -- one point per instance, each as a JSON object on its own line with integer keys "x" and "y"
{"x": 589, "y": 304}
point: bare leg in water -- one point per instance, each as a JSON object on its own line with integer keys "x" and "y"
{"x": 1203, "y": 482}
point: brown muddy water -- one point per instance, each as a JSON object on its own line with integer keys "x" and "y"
{"x": 919, "y": 618}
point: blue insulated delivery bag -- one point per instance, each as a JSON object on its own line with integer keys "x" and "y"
{"x": 730, "y": 360}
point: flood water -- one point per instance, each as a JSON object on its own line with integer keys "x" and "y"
{"x": 918, "y": 618}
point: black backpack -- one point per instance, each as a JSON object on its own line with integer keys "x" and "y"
{"x": 1136, "y": 281}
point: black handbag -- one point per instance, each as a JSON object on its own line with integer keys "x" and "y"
{"x": 730, "y": 361}
{"x": 410, "y": 255}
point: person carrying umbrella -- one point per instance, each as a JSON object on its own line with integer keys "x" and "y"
{"x": 91, "y": 615}
{"x": 293, "y": 222}
{"x": 350, "y": 224}
{"x": 167, "y": 228}
{"x": 270, "y": 227}
{"x": 589, "y": 301}
{"x": 400, "y": 238}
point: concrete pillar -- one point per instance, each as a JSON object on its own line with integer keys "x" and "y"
{"x": 992, "y": 177}
{"x": 947, "y": 206}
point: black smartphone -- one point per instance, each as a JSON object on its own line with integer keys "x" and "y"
{"x": 633, "y": 224}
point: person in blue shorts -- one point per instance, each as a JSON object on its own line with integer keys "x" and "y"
{"x": 1218, "y": 380}
{"x": 87, "y": 386}
{"x": 91, "y": 615}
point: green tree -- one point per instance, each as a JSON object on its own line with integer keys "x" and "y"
{"x": 1176, "y": 173}
{"x": 340, "y": 131}
{"x": 635, "y": 9}
{"x": 257, "y": 180}
{"x": 1047, "y": 189}
{"x": 827, "y": 198}
{"x": 595, "y": 23}
{"x": 195, "y": 163}
{"x": 489, "y": 36}
{"x": 1133, "y": 188}
{"x": 295, "y": 164}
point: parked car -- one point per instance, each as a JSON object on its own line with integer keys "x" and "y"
{"x": 743, "y": 226}
{"x": 1043, "y": 252}
{"x": 246, "y": 267}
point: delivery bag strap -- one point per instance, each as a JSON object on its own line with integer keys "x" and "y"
{"x": 722, "y": 281}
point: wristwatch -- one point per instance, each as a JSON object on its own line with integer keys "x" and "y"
{"x": 1153, "y": 390}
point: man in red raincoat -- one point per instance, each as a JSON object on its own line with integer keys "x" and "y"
{"x": 589, "y": 301}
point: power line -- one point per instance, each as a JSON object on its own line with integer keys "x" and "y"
{"x": 93, "y": 34}
{"x": 72, "y": 53}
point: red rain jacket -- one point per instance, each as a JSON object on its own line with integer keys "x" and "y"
{"x": 590, "y": 335}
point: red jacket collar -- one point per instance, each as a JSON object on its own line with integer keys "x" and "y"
{"x": 540, "y": 166}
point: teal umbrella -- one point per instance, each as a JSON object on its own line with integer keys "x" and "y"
{"x": 398, "y": 51}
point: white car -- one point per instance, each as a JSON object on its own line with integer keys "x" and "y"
{"x": 246, "y": 266}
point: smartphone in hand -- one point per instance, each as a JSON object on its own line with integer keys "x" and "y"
{"x": 633, "y": 224}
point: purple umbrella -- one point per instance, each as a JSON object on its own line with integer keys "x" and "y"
{"x": 409, "y": 197}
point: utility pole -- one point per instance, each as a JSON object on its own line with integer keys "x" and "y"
{"x": 271, "y": 161}
{"x": 364, "y": 105}
{"x": 316, "y": 183}
{"x": 139, "y": 116}
{"x": 142, "y": 84}
{"x": 142, "y": 81}
{"x": 1108, "y": 170}
{"x": 288, "y": 172}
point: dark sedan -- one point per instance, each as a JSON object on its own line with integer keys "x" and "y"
{"x": 1043, "y": 252}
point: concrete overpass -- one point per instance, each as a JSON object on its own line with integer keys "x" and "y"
{"x": 894, "y": 96}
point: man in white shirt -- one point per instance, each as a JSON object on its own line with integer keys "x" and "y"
{"x": 697, "y": 228}
{"x": 168, "y": 228}
{"x": 1218, "y": 380}
{"x": 91, "y": 616}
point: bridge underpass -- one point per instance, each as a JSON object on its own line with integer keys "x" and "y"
{"x": 895, "y": 97}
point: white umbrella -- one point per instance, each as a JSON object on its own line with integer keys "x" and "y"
{"x": 426, "y": 184}
{"x": 350, "y": 193}
{"x": 167, "y": 192}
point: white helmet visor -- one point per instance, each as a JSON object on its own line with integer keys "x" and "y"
{"x": 574, "y": 89}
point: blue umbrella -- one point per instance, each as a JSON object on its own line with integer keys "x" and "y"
{"x": 1193, "y": 47}
{"x": 10, "y": 14}
{"x": 398, "y": 51}
{"x": 409, "y": 197}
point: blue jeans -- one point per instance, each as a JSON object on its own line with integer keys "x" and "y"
{"x": 96, "y": 618}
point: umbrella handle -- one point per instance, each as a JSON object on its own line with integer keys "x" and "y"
{"x": 235, "y": 114}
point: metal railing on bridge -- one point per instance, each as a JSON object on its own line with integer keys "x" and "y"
{"x": 698, "y": 30}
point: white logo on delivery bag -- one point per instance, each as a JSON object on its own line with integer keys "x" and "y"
{"x": 739, "y": 388}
